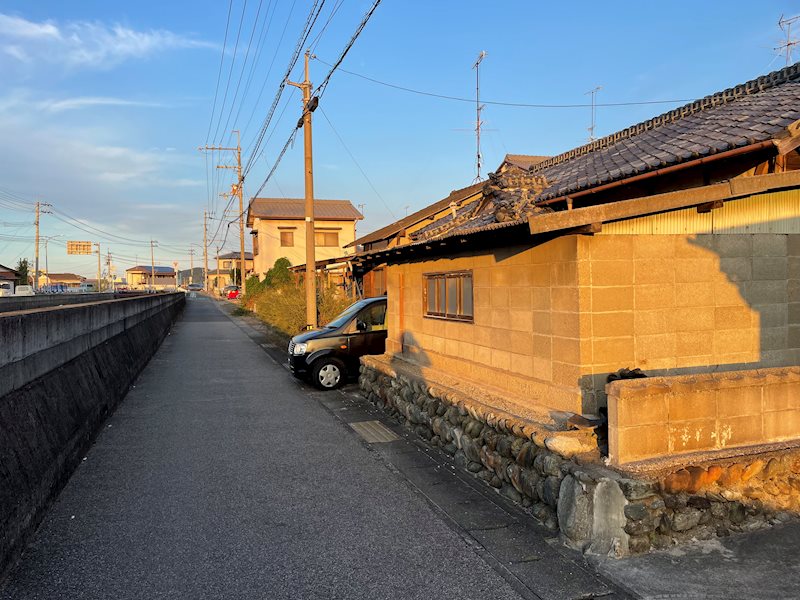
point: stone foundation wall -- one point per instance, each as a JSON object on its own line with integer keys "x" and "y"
{"x": 563, "y": 482}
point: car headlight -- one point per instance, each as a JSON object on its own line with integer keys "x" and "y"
{"x": 299, "y": 349}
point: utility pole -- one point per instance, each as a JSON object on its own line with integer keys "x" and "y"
{"x": 238, "y": 189}
{"x": 594, "y": 111}
{"x": 152, "y": 264}
{"x": 216, "y": 279}
{"x": 786, "y": 26}
{"x": 99, "y": 270}
{"x": 36, "y": 251}
{"x": 309, "y": 105}
{"x": 191, "y": 265}
{"x": 205, "y": 250}
{"x": 108, "y": 271}
{"x": 478, "y": 108}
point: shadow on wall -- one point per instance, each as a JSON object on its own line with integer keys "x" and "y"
{"x": 412, "y": 356}
{"x": 731, "y": 301}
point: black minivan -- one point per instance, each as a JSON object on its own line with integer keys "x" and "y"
{"x": 329, "y": 355}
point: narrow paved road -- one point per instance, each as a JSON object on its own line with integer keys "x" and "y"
{"x": 219, "y": 478}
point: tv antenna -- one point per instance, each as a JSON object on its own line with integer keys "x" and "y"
{"x": 786, "y": 27}
{"x": 594, "y": 111}
{"x": 478, "y": 108}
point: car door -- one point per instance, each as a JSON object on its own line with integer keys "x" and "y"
{"x": 369, "y": 331}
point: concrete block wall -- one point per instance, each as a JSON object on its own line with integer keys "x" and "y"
{"x": 677, "y": 304}
{"x": 670, "y": 416}
{"x": 526, "y": 333}
{"x": 62, "y": 371}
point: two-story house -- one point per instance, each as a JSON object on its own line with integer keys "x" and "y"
{"x": 279, "y": 230}
{"x": 144, "y": 277}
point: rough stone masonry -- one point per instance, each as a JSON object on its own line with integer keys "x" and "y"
{"x": 562, "y": 481}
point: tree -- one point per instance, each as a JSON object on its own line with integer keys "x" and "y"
{"x": 279, "y": 274}
{"x": 236, "y": 276}
{"x": 22, "y": 269}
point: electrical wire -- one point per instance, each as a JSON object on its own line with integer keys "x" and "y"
{"x": 230, "y": 72}
{"x": 244, "y": 65}
{"x": 341, "y": 141}
{"x": 257, "y": 150}
{"x": 219, "y": 72}
{"x": 497, "y": 103}
{"x": 269, "y": 71}
{"x": 321, "y": 87}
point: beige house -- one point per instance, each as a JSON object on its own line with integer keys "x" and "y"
{"x": 672, "y": 246}
{"x": 143, "y": 277}
{"x": 278, "y": 229}
{"x": 61, "y": 280}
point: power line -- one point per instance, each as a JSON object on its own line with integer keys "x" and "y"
{"x": 230, "y": 72}
{"x": 377, "y": 193}
{"x": 497, "y": 103}
{"x": 316, "y": 40}
{"x": 316, "y": 8}
{"x": 321, "y": 87}
{"x": 265, "y": 27}
{"x": 244, "y": 65}
{"x": 269, "y": 70}
{"x": 219, "y": 72}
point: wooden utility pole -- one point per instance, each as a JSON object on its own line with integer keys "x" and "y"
{"x": 152, "y": 264}
{"x": 99, "y": 270}
{"x": 238, "y": 189}
{"x": 311, "y": 262}
{"x": 205, "y": 250}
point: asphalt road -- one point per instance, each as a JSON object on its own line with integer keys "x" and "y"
{"x": 220, "y": 476}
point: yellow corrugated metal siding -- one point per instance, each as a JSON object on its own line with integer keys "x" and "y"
{"x": 774, "y": 212}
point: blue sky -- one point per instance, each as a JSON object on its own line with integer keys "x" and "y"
{"x": 103, "y": 104}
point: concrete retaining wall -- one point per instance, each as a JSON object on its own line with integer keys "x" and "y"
{"x": 662, "y": 417}
{"x": 12, "y": 303}
{"x": 62, "y": 371}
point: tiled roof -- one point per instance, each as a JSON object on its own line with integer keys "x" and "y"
{"x": 523, "y": 161}
{"x": 64, "y": 277}
{"x": 294, "y": 208}
{"x": 236, "y": 255}
{"x": 747, "y": 114}
{"x": 420, "y": 215}
{"x": 146, "y": 269}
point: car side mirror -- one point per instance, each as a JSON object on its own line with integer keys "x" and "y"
{"x": 361, "y": 326}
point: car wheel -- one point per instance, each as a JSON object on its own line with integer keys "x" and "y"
{"x": 328, "y": 373}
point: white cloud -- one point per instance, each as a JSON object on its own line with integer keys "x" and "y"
{"x": 90, "y": 102}
{"x": 85, "y": 44}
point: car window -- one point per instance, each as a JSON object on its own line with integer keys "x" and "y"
{"x": 374, "y": 317}
{"x": 345, "y": 315}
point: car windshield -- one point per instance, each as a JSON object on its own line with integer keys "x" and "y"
{"x": 347, "y": 314}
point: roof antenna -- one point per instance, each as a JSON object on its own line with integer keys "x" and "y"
{"x": 478, "y": 108}
{"x": 594, "y": 111}
{"x": 786, "y": 27}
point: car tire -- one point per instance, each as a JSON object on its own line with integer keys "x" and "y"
{"x": 328, "y": 373}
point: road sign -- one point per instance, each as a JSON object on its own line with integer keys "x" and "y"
{"x": 79, "y": 248}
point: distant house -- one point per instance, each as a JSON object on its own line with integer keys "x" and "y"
{"x": 672, "y": 245}
{"x": 8, "y": 279}
{"x": 218, "y": 279}
{"x": 67, "y": 281}
{"x": 233, "y": 260}
{"x": 278, "y": 229}
{"x": 144, "y": 277}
